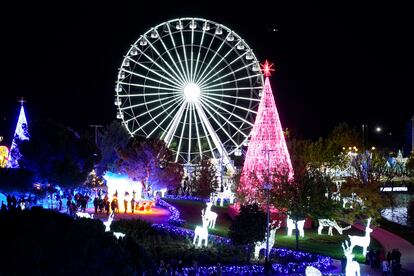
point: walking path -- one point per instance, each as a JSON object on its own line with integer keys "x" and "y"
{"x": 391, "y": 241}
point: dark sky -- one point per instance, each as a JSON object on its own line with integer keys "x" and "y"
{"x": 338, "y": 62}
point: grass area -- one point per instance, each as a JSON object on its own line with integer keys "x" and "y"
{"x": 320, "y": 244}
{"x": 398, "y": 229}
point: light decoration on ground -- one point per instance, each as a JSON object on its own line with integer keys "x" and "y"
{"x": 331, "y": 224}
{"x": 362, "y": 241}
{"x": 4, "y": 156}
{"x": 20, "y": 134}
{"x": 193, "y": 198}
{"x": 108, "y": 223}
{"x": 201, "y": 232}
{"x": 175, "y": 214}
{"x": 84, "y": 215}
{"x": 352, "y": 266}
{"x": 210, "y": 215}
{"x": 262, "y": 245}
{"x": 267, "y": 146}
{"x": 311, "y": 271}
{"x": 290, "y": 224}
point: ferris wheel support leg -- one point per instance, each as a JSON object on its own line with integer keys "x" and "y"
{"x": 215, "y": 138}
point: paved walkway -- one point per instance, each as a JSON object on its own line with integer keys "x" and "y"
{"x": 391, "y": 241}
{"x": 364, "y": 269}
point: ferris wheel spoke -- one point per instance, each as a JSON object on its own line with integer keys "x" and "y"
{"x": 189, "y": 133}
{"x": 172, "y": 126}
{"x": 230, "y": 96}
{"x": 234, "y": 89}
{"x": 185, "y": 55}
{"x": 182, "y": 77}
{"x": 191, "y": 56}
{"x": 228, "y": 74}
{"x": 231, "y": 81}
{"x": 199, "y": 51}
{"x": 169, "y": 66}
{"x": 151, "y": 79}
{"x": 230, "y": 104}
{"x": 205, "y": 56}
{"x": 206, "y": 103}
{"x": 145, "y": 103}
{"x": 150, "y": 86}
{"x": 156, "y": 64}
{"x": 153, "y": 109}
{"x": 147, "y": 94}
{"x": 149, "y": 121}
{"x": 176, "y": 52}
{"x": 208, "y": 137}
{"x": 165, "y": 118}
{"x": 197, "y": 131}
{"x": 182, "y": 134}
{"x": 211, "y": 60}
{"x": 202, "y": 78}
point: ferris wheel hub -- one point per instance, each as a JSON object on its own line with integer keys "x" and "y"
{"x": 192, "y": 92}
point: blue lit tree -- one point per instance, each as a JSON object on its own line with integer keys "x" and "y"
{"x": 20, "y": 134}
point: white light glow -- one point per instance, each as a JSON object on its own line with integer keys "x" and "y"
{"x": 191, "y": 92}
{"x": 290, "y": 224}
{"x": 362, "y": 241}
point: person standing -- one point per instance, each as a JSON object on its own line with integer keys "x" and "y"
{"x": 132, "y": 205}
{"x": 385, "y": 267}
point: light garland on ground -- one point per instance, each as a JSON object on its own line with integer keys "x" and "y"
{"x": 175, "y": 214}
{"x": 194, "y": 198}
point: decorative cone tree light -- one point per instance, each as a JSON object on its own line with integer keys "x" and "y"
{"x": 20, "y": 134}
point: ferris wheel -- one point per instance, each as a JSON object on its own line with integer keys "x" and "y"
{"x": 194, "y": 83}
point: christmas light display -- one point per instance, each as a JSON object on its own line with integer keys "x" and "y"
{"x": 20, "y": 134}
{"x": 267, "y": 146}
{"x": 362, "y": 241}
{"x": 4, "y": 156}
{"x": 352, "y": 267}
{"x": 330, "y": 224}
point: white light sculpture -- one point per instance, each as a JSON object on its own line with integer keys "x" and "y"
{"x": 201, "y": 232}
{"x": 331, "y": 224}
{"x": 108, "y": 223}
{"x": 311, "y": 271}
{"x": 84, "y": 215}
{"x": 362, "y": 241}
{"x": 262, "y": 245}
{"x": 352, "y": 266}
{"x": 354, "y": 198}
{"x": 210, "y": 215}
{"x": 290, "y": 224}
{"x": 118, "y": 235}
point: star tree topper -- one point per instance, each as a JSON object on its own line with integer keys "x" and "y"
{"x": 267, "y": 68}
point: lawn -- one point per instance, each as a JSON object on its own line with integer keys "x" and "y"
{"x": 312, "y": 242}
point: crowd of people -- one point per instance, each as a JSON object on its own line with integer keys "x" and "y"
{"x": 388, "y": 263}
{"x": 14, "y": 203}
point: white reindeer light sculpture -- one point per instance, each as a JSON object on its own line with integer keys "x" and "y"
{"x": 108, "y": 223}
{"x": 201, "y": 232}
{"x": 352, "y": 267}
{"x": 260, "y": 245}
{"x": 290, "y": 224}
{"x": 211, "y": 216}
{"x": 331, "y": 224}
{"x": 84, "y": 215}
{"x": 362, "y": 241}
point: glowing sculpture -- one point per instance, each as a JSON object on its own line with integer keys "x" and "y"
{"x": 354, "y": 198}
{"x": 118, "y": 235}
{"x": 84, "y": 215}
{"x": 362, "y": 241}
{"x": 312, "y": 271}
{"x": 210, "y": 215}
{"x": 4, "y": 156}
{"x": 352, "y": 266}
{"x": 331, "y": 224}
{"x": 267, "y": 146}
{"x": 20, "y": 134}
{"x": 262, "y": 245}
{"x": 290, "y": 224}
{"x": 226, "y": 194}
{"x": 201, "y": 232}
{"x": 108, "y": 223}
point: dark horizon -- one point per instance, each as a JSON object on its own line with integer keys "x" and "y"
{"x": 335, "y": 63}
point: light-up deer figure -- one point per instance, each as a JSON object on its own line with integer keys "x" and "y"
{"x": 290, "y": 224}
{"x": 362, "y": 241}
{"x": 352, "y": 267}
{"x": 108, "y": 223}
{"x": 331, "y": 224}
{"x": 201, "y": 232}
{"x": 262, "y": 244}
{"x": 211, "y": 216}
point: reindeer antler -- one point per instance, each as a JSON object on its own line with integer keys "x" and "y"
{"x": 369, "y": 221}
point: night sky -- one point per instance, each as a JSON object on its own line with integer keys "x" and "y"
{"x": 334, "y": 63}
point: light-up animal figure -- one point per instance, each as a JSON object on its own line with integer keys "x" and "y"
{"x": 362, "y": 241}
{"x": 118, "y": 235}
{"x": 349, "y": 201}
{"x": 108, "y": 223}
{"x": 352, "y": 267}
{"x": 290, "y": 224}
{"x": 311, "y": 271}
{"x": 259, "y": 245}
{"x": 84, "y": 215}
{"x": 330, "y": 223}
{"x": 210, "y": 215}
{"x": 201, "y": 232}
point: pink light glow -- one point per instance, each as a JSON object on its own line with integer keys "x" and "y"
{"x": 266, "y": 138}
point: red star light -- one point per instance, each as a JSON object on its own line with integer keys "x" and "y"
{"x": 267, "y": 68}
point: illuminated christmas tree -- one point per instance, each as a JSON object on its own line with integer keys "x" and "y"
{"x": 267, "y": 150}
{"x": 20, "y": 134}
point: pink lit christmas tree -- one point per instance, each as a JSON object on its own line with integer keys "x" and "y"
{"x": 267, "y": 150}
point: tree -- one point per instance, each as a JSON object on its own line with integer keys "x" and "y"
{"x": 151, "y": 162}
{"x": 205, "y": 178}
{"x": 56, "y": 154}
{"x": 113, "y": 138}
{"x": 249, "y": 226}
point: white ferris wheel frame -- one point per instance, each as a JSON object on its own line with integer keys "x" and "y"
{"x": 190, "y": 91}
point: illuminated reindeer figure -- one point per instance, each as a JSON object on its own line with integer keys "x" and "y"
{"x": 108, "y": 223}
{"x": 260, "y": 245}
{"x": 362, "y": 241}
{"x": 352, "y": 266}
{"x": 210, "y": 215}
{"x": 290, "y": 224}
{"x": 201, "y": 232}
{"x": 330, "y": 223}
